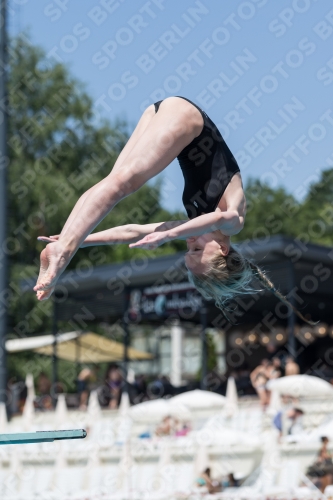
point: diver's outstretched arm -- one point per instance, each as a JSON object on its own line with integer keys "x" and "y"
{"x": 130, "y": 233}
{"x": 229, "y": 223}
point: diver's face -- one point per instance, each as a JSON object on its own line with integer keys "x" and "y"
{"x": 202, "y": 249}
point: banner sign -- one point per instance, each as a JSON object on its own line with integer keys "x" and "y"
{"x": 163, "y": 301}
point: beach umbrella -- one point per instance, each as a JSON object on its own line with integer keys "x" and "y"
{"x": 201, "y": 461}
{"x": 125, "y": 404}
{"x": 301, "y": 385}
{"x": 94, "y": 409}
{"x": 199, "y": 400}
{"x": 275, "y": 404}
{"x": 231, "y": 405}
{"x": 77, "y": 347}
{"x": 131, "y": 376}
{"x": 29, "y": 382}
{"x": 28, "y": 413}
{"x": 61, "y": 413}
{"x": 124, "y": 421}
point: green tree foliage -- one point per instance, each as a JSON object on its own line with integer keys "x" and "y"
{"x": 274, "y": 211}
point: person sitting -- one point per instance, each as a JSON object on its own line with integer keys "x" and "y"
{"x": 296, "y": 417}
{"x": 291, "y": 368}
{"x": 85, "y": 376}
{"x": 44, "y": 386}
{"x": 231, "y": 481}
{"x": 110, "y": 393}
{"x": 259, "y": 379}
{"x": 276, "y": 371}
{"x": 322, "y": 469}
{"x": 166, "y": 427}
{"x": 205, "y": 480}
{"x": 182, "y": 429}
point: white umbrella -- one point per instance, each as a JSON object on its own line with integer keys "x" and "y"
{"x": 275, "y": 404}
{"x": 157, "y": 409}
{"x": 29, "y": 382}
{"x": 124, "y": 421}
{"x": 94, "y": 409}
{"x": 231, "y": 405}
{"x": 28, "y": 413}
{"x": 301, "y": 385}
{"x": 3, "y": 418}
{"x": 131, "y": 376}
{"x": 201, "y": 460}
{"x": 199, "y": 400}
{"x": 61, "y": 413}
{"x": 124, "y": 404}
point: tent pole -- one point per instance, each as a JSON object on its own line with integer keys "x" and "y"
{"x": 3, "y": 201}
{"x": 54, "y": 356}
{"x": 291, "y": 318}
{"x": 176, "y": 335}
{"x": 203, "y": 320}
{"x": 77, "y": 355}
{"x": 126, "y": 341}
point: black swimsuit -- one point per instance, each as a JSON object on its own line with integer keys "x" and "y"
{"x": 207, "y": 165}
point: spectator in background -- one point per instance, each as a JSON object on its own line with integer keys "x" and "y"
{"x": 166, "y": 427}
{"x": 140, "y": 389}
{"x": 231, "y": 481}
{"x": 205, "y": 480}
{"x": 85, "y": 377}
{"x": 181, "y": 428}
{"x": 322, "y": 469}
{"x": 295, "y": 415}
{"x": 18, "y": 392}
{"x": 110, "y": 393}
{"x": 259, "y": 379}
{"x": 278, "y": 371}
{"x": 291, "y": 368}
{"x": 43, "y": 389}
{"x": 161, "y": 387}
{"x": 114, "y": 381}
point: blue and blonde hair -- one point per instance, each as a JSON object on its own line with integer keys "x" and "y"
{"x": 227, "y": 277}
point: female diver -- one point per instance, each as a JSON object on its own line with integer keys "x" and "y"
{"x": 213, "y": 198}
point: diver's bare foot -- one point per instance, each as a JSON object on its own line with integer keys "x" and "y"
{"x": 53, "y": 261}
{"x": 45, "y": 294}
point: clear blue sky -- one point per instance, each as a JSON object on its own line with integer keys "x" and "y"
{"x": 261, "y": 69}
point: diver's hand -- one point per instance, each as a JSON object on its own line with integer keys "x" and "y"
{"x": 48, "y": 239}
{"x": 152, "y": 241}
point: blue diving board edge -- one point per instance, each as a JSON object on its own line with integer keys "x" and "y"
{"x": 41, "y": 436}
